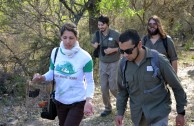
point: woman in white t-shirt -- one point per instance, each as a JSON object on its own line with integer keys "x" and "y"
{"x": 73, "y": 75}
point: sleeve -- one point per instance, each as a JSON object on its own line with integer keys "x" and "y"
{"x": 89, "y": 84}
{"x": 88, "y": 71}
{"x": 172, "y": 79}
{"x": 171, "y": 49}
{"x": 143, "y": 40}
{"x": 88, "y": 67}
{"x": 122, "y": 95}
{"x": 117, "y": 36}
{"x": 49, "y": 75}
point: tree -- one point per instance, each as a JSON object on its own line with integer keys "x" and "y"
{"x": 78, "y": 8}
{"x": 29, "y": 30}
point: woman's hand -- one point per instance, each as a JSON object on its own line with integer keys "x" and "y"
{"x": 88, "y": 108}
{"x": 38, "y": 78}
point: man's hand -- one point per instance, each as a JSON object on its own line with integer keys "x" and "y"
{"x": 95, "y": 45}
{"x": 119, "y": 120}
{"x": 180, "y": 120}
{"x": 110, "y": 50}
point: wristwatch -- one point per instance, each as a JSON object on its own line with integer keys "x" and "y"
{"x": 182, "y": 113}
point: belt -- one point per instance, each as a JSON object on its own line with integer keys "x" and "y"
{"x": 68, "y": 105}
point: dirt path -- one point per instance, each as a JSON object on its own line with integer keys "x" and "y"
{"x": 186, "y": 75}
{"x": 15, "y": 114}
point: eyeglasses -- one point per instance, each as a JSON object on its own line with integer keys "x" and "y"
{"x": 127, "y": 51}
{"x": 152, "y": 24}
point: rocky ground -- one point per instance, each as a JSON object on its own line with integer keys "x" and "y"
{"x": 17, "y": 112}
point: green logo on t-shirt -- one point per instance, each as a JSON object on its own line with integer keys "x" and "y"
{"x": 67, "y": 68}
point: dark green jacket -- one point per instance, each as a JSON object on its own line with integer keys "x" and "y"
{"x": 111, "y": 40}
{"x": 155, "y": 104}
{"x": 159, "y": 46}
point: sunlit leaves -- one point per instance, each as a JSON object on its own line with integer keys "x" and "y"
{"x": 118, "y": 7}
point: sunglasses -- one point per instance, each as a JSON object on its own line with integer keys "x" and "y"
{"x": 152, "y": 24}
{"x": 127, "y": 51}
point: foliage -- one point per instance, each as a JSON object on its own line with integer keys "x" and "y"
{"x": 41, "y": 23}
{"x": 19, "y": 86}
{"x": 118, "y": 7}
{"x": 189, "y": 44}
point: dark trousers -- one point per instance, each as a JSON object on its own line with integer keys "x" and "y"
{"x": 70, "y": 115}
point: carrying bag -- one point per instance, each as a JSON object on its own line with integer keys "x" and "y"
{"x": 51, "y": 112}
{"x": 97, "y": 50}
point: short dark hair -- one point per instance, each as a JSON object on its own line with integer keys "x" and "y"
{"x": 130, "y": 34}
{"x": 69, "y": 27}
{"x": 104, "y": 19}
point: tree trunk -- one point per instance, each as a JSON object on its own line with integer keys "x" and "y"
{"x": 94, "y": 13}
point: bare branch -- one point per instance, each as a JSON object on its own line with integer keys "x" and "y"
{"x": 15, "y": 57}
{"x": 77, "y": 13}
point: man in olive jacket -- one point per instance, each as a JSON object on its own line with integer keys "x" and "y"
{"x": 108, "y": 61}
{"x": 150, "y": 102}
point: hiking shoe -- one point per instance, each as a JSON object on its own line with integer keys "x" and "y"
{"x": 105, "y": 113}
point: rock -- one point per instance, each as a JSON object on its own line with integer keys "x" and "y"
{"x": 13, "y": 122}
{"x": 191, "y": 48}
{"x": 2, "y": 124}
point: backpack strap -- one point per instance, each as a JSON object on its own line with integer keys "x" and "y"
{"x": 165, "y": 44}
{"x": 53, "y": 84}
{"x": 98, "y": 36}
{"x": 97, "y": 50}
{"x": 56, "y": 54}
{"x": 123, "y": 66}
{"x": 145, "y": 40}
{"x": 155, "y": 64}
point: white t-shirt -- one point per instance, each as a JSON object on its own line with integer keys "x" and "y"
{"x": 73, "y": 76}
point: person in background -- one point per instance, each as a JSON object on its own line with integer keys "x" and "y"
{"x": 150, "y": 102}
{"x": 73, "y": 75}
{"x": 155, "y": 39}
{"x": 108, "y": 61}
